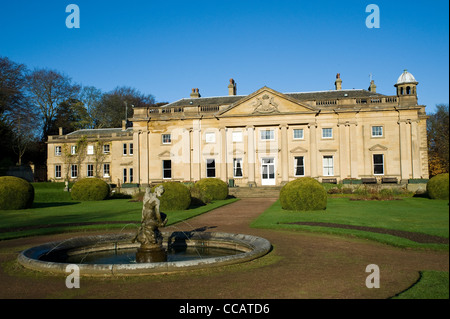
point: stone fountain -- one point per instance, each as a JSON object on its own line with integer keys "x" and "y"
{"x": 149, "y": 251}
{"x": 148, "y": 235}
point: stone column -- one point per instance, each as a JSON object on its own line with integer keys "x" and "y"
{"x": 223, "y": 154}
{"x": 137, "y": 156}
{"x": 313, "y": 146}
{"x": 415, "y": 150}
{"x": 284, "y": 155}
{"x": 405, "y": 157}
{"x": 251, "y": 155}
{"x": 186, "y": 154}
{"x": 196, "y": 153}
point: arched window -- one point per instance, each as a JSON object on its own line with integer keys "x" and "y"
{"x": 408, "y": 90}
{"x": 401, "y": 91}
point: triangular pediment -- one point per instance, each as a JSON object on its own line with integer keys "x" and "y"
{"x": 266, "y": 101}
{"x": 165, "y": 154}
{"x": 378, "y": 147}
{"x": 299, "y": 149}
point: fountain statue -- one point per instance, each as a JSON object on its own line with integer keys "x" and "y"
{"x": 148, "y": 235}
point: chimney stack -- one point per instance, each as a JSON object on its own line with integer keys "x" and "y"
{"x": 338, "y": 82}
{"x": 195, "y": 94}
{"x": 372, "y": 87}
{"x": 124, "y": 125}
{"x": 60, "y": 131}
{"x": 232, "y": 87}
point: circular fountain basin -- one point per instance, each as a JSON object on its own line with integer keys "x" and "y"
{"x": 106, "y": 255}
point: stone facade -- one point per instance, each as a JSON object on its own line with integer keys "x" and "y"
{"x": 269, "y": 138}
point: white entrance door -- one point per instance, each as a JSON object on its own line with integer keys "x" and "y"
{"x": 267, "y": 171}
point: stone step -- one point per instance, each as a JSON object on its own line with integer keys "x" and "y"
{"x": 255, "y": 192}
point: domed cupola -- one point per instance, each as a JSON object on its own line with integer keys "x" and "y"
{"x": 406, "y": 88}
{"x": 406, "y": 84}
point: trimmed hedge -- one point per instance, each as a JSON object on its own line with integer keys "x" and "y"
{"x": 176, "y": 196}
{"x": 90, "y": 189}
{"x": 209, "y": 189}
{"x": 15, "y": 193}
{"x": 437, "y": 186}
{"x": 304, "y": 193}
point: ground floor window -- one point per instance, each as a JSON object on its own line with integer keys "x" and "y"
{"x": 124, "y": 175}
{"x": 378, "y": 164}
{"x": 299, "y": 166}
{"x": 74, "y": 171}
{"x": 328, "y": 166}
{"x": 90, "y": 170}
{"x": 57, "y": 171}
{"x": 106, "y": 170}
{"x": 210, "y": 168}
{"x": 237, "y": 167}
{"x": 131, "y": 175}
{"x": 167, "y": 169}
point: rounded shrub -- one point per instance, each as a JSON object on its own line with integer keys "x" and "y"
{"x": 437, "y": 186}
{"x": 209, "y": 189}
{"x": 90, "y": 189}
{"x": 176, "y": 196}
{"x": 15, "y": 193}
{"x": 304, "y": 193}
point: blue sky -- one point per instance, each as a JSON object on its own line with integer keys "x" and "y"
{"x": 166, "y": 48}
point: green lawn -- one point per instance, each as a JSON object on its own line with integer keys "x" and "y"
{"x": 53, "y": 207}
{"x": 411, "y": 214}
{"x": 431, "y": 285}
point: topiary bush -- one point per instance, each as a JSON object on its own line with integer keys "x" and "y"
{"x": 437, "y": 186}
{"x": 176, "y": 196}
{"x": 90, "y": 189}
{"x": 304, "y": 193}
{"x": 15, "y": 193}
{"x": 209, "y": 189}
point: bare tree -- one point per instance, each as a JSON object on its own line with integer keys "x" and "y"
{"x": 47, "y": 90}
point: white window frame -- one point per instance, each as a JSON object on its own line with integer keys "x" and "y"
{"x": 208, "y": 169}
{"x": 124, "y": 149}
{"x": 90, "y": 170}
{"x": 377, "y": 127}
{"x": 74, "y": 169}
{"x": 296, "y": 165}
{"x": 130, "y": 149}
{"x": 58, "y": 170}
{"x": 164, "y": 169}
{"x": 73, "y": 149}
{"x": 328, "y": 170}
{"x": 124, "y": 175}
{"x": 106, "y": 148}
{"x": 327, "y": 129}
{"x": 382, "y": 164}
{"x": 237, "y": 161}
{"x": 166, "y": 139}
{"x": 106, "y": 170}
{"x": 58, "y": 150}
{"x": 298, "y": 130}
{"x": 131, "y": 174}
{"x": 263, "y": 135}
{"x": 90, "y": 149}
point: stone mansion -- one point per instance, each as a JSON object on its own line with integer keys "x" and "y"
{"x": 264, "y": 138}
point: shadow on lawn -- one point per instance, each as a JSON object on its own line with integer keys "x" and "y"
{"x": 52, "y": 204}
